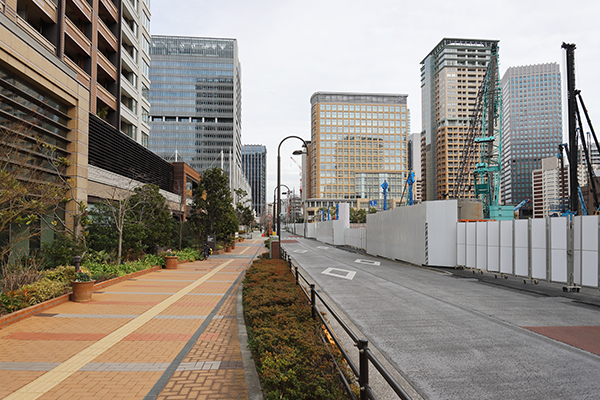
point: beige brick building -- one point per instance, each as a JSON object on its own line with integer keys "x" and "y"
{"x": 358, "y": 142}
{"x": 41, "y": 97}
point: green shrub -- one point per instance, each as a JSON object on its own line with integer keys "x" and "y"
{"x": 154, "y": 260}
{"x": 188, "y": 254}
{"x": 292, "y": 360}
{"x": 60, "y": 274}
{"x": 46, "y": 289}
{"x": 15, "y": 300}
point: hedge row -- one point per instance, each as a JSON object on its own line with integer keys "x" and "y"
{"x": 292, "y": 360}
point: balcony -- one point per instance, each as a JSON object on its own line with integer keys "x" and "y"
{"x": 82, "y": 76}
{"x": 83, "y": 7}
{"x": 78, "y": 37}
{"x": 107, "y": 66}
{"x": 47, "y": 7}
{"x": 35, "y": 34}
{"x": 110, "y": 39}
{"x": 108, "y": 8}
{"x": 106, "y": 97}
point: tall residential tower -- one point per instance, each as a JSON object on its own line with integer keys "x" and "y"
{"x": 451, "y": 75}
{"x": 532, "y": 125}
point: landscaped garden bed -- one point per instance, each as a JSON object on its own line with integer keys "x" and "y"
{"x": 292, "y": 359}
{"x": 46, "y": 285}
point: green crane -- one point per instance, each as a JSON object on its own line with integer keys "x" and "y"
{"x": 484, "y": 143}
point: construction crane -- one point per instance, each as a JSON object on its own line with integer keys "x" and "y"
{"x": 521, "y": 204}
{"x": 484, "y": 141}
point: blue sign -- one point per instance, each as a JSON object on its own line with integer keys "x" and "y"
{"x": 373, "y": 203}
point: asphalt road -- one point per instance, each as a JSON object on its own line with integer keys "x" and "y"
{"x": 453, "y": 335}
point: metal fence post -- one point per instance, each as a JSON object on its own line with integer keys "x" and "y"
{"x": 312, "y": 301}
{"x": 363, "y": 367}
{"x": 297, "y": 276}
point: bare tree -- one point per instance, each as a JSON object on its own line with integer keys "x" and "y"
{"x": 31, "y": 186}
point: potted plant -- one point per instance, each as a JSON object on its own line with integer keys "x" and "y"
{"x": 170, "y": 259}
{"x": 83, "y": 286}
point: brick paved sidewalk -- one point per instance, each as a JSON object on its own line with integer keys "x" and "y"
{"x": 168, "y": 334}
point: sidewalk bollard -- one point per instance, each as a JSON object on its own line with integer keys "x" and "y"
{"x": 363, "y": 367}
{"x": 77, "y": 263}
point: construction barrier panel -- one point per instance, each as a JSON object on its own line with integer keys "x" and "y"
{"x": 532, "y": 248}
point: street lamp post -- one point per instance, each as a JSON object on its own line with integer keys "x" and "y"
{"x": 274, "y": 199}
{"x": 279, "y": 177}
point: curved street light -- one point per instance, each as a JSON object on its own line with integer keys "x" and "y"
{"x": 274, "y": 198}
{"x": 279, "y": 177}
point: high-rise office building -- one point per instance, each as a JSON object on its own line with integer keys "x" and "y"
{"x": 195, "y": 97}
{"x": 451, "y": 75}
{"x": 135, "y": 70}
{"x": 550, "y": 188}
{"x": 254, "y": 164}
{"x": 531, "y": 126}
{"x": 358, "y": 142}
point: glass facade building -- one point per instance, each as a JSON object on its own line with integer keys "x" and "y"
{"x": 531, "y": 126}
{"x": 358, "y": 141}
{"x": 195, "y": 97}
{"x": 254, "y": 165}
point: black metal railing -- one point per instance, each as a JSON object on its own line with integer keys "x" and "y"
{"x": 365, "y": 355}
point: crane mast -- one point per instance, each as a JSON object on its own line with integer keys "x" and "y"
{"x": 484, "y": 142}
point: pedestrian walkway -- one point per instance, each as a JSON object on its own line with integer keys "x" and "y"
{"x": 168, "y": 334}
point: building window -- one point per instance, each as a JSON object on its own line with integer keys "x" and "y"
{"x": 146, "y": 69}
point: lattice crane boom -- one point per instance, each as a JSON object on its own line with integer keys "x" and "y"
{"x": 484, "y": 141}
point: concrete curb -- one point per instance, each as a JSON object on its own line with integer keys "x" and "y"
{"x": 252, "y": 381}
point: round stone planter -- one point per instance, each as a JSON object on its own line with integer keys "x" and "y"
{"x": 82, "y": 291}
{"x": 170, "y": 262}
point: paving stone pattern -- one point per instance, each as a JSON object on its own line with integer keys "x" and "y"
{"x": 119, "y": 345}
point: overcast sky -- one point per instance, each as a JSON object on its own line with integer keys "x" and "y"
{"x": 291, "y": 49}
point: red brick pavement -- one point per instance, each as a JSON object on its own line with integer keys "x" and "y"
{"x": 130, "y": 365}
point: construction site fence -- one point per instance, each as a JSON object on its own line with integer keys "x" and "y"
{"x": 536, "y": 249}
